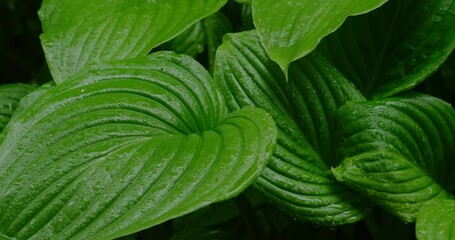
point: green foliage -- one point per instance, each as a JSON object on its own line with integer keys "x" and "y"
{"x": 297, "y": 26}
{"x": 395, "y": 47}
{"x": 77, "y": 33}
{"x": 300, "y": 164}
{"x": 436, "y": 221}
{"x": 215, "y": 119}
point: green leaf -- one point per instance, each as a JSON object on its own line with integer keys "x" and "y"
{"x": 123, "y": 146}
{"x": 190, "y": 42}
{"x": 398, "y": 151}
{"x": 442, "y": 84}
{"x": 207, "y": 33}
{"x": 77, "y": 33}
{"x": 394, "y": 47}
{"x": 436, "y": 221}
{"x": 10, "y": 95}
{"x": 291, "y": 29}
{"x": 297, "y": 177}
{"x": 216, "y": 26}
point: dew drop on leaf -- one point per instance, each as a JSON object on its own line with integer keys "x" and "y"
{"x": 381, "y": 124}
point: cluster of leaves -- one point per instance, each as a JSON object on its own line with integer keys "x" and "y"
{"x": 175, "y": 119}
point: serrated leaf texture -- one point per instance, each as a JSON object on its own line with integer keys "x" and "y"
{"x": 77, "y": 33}
{"x": 398, "y": 151}
{"x": 297, "y": 177}
{"x": 124, "y": 146}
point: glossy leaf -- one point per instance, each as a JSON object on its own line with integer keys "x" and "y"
{"x": 291, "y": 29}
{"x": 77, "y": 33}
{"x": 297, "y": 177}
{"x": 436, "y": 221}
{"x": 398, "y": 151}
{"x": 124, "y": 146}
{"x": 395, "y": 47}
{"x": 10, "y": 95}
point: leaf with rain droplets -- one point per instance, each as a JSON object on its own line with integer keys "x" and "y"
{"x": 291, "y": 29}
{"x": 398, "y": 151}
{"x": 123, "y": 146}
{"x": 436, "y": 221}
{"x": 77, "y": 33}
{"x": 297, "y": 177}
{"x": 394, "y": 47}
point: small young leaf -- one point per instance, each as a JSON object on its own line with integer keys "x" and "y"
{"x": 10, "y": 95}
{"x": 77, "y": 33}
{"x": 123, "y": 146}
{"x": 394, "y": 47}
{"x": 297, "y": 176}
{"x": 398, "y": 151}
{"x": 291, "y": 29}
{"x": 436, "y": 221}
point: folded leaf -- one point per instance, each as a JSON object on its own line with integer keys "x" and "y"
{"x": 297, "y": 177}
{"x": 436, "y": 221}
{"x": 398, "y": 151}
{"x": 291, "y": 29}
{"x": 394, "y": 47}
{"x": 10, "y": 95}
{"x": 124, "y": 146}
{"x": 77, "y": 33}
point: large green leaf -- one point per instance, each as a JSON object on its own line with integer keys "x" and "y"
{"x": 291, "y": 29}
{"x": 398, "y": 151}
{"x": 297, "y": 177}
{"x": 77, "y": 33}
{"x": 10, "y": 95}
{"x": 436, "y": 221}
{"x": 124, "y": 146}
{"x": 394, "y": 47}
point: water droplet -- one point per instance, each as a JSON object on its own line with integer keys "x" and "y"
{"x": 381, "y": 124}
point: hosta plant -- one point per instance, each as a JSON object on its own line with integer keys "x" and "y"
{"x": 215, "y": 119}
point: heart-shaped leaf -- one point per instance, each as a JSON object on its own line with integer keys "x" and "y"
{"x": 436, "y": 221}
{"x": 297, "y": 177}
{"x": 77, "y": 33}
{"x": 394, "y": 47}
{"x": 10, "y": 95}
{"x": 398, "y": 151}
{"x": 124, "y": 146}
{"x": 291, "y": 29}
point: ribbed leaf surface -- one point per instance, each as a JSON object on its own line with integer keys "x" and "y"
{"x": 398, "y": 151}
{"x": 394, "y": 47}
{"x": 291, "y": 29}
{"x": 297, "y": 178}
{"x": 10, "y": 95}
{"x": 436, "y": 221}
{"x": 77, "y": 33}
{"x": 124, "y": 146}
